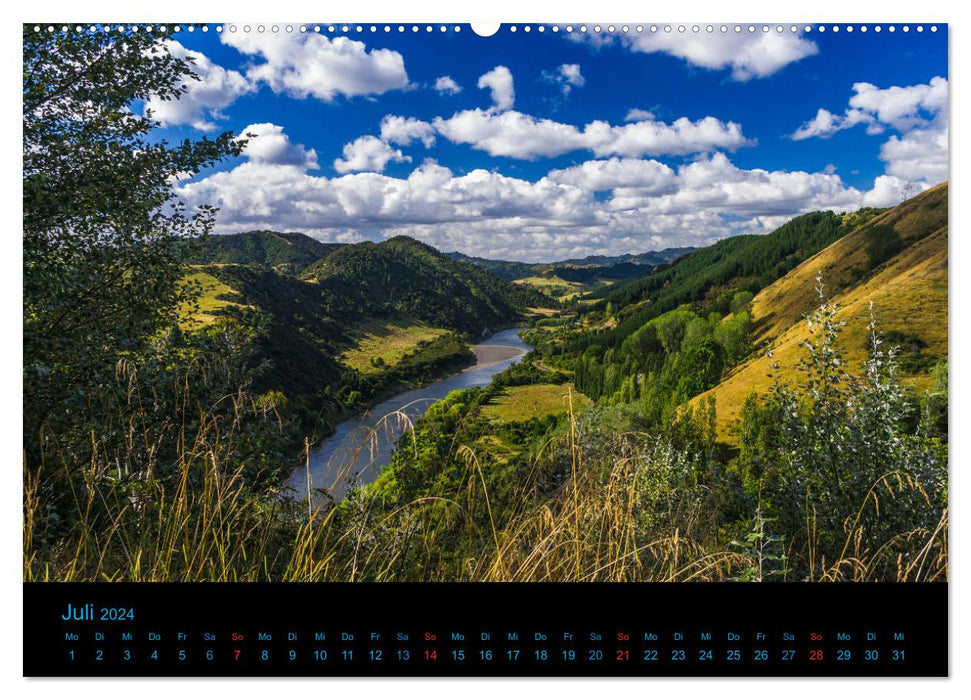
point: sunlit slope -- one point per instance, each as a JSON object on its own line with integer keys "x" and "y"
{"x": 908, "y": 291}
{"x": 844, "y": 263}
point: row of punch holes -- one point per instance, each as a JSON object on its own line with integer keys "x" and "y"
{"x": 512, "y": 28}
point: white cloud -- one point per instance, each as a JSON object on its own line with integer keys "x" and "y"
{"x": 266, "y": 143}
{"x": 748, "y": 55}
{"x": 638, "y": 115}
{"x": 645, "y": 176}
{"x": 200, "y": 104}
{"x": 368, "y": 153}
{"x": 825, "y": 124}
{"x": 918, "y": 155}
{"x": 446, "y": 86}
{"x": 313, "y": 65}
{"x": 567, "y": 76}
{"x": 402, "y": 131}
{"x": 611, "y": 205}
{"x": 901, "y": 107}
{"x": 517, "y": 135}
{"x": 499, "y": 83}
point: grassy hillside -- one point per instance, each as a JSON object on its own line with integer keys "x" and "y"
{"x": 381, "y": 343}
{"x": 214, "y": 296}
{"x": 845, "y": 263}
{"x": 552, "y": 286}
{"x": 521, "y": 403}
{"x": 908, "y": 291}
{"x": 290, "y": 253}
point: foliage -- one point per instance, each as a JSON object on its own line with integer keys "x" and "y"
{"x": 882, "y": 243}
{"x": 839, "y": 461}
{"x": 104, "y": 245}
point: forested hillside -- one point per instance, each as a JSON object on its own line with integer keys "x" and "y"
{"x": 289, "y": 253}
{"x": 409, "y": 277}
{"x": 665, "y": 337}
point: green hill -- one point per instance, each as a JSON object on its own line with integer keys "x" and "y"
{"x": 357, "y": 322}
{"x": 290, "y": 253}
{"x": 403, "y": 276}
{"x": 709, "y": 278}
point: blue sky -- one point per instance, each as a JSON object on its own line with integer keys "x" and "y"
{"x": 546, "y": 145}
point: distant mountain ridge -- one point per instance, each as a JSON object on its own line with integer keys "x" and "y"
{"x": 295, "y": 253}
{"x": 613, "y": 266}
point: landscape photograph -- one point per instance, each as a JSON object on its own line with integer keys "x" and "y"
{"x": 404, "y": 303}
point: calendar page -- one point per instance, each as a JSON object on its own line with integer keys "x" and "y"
{"x": 592, "y": 349}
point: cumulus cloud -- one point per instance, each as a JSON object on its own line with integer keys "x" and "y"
{"x": 499, "y": 83}
{"x": 402, "y": 131}
{"x": 266, "y": 143}
{"x": 368, "y": 153}
{"x": 517, "y": 135}
{"x": 628, "y": 174}
{"x": 567, "y": 76}
{"x": 607, "y": 205}
{"x": 903, "y": 108}
{"x": 747, "y": 55}
{"x": 313, "y": 65}
{"x": 200, "y": 104}
{"x": 918, "y": 154}
{"x": 446, "y": 86}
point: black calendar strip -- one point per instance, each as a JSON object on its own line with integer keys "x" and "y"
{"x": 485, "y": 630}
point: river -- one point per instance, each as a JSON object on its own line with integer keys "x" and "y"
{"x": 361, "y": 447}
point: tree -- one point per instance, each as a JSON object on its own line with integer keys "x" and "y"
{"x": 104, "y": 235}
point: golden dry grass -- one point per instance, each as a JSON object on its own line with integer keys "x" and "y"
{"x": 909, "y": 294}
{"x": 388, "y": 341}
{"x": 553, "y": 286}
{"x": 520, "y": 403}
{"x": 843, "y": 264}
{"x": 208, "y": 526}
